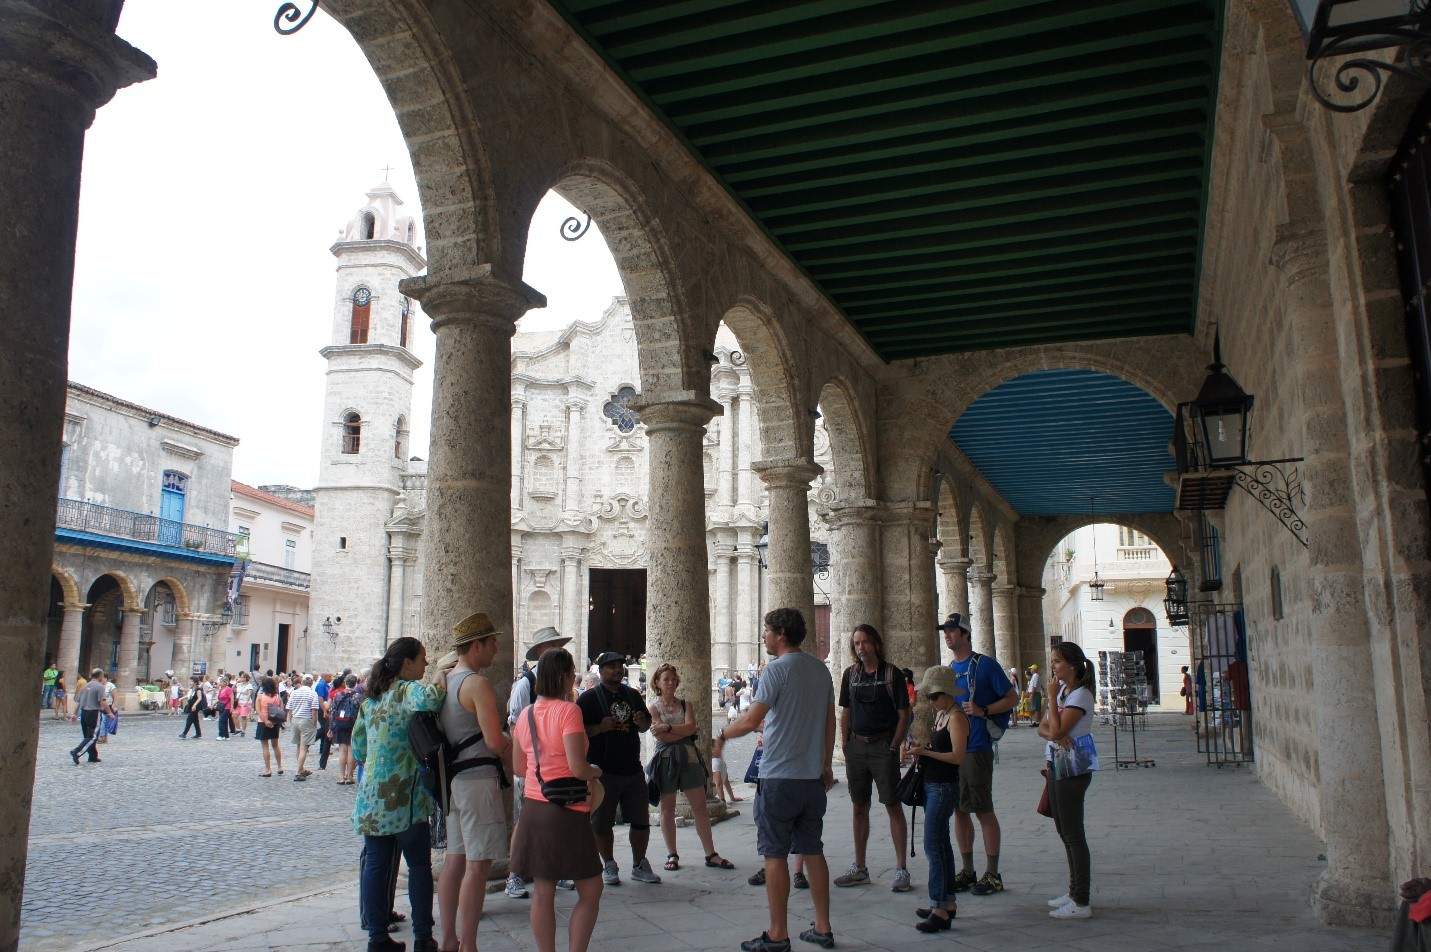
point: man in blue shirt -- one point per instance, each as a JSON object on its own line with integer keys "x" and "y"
{"x": 989, "y": 697}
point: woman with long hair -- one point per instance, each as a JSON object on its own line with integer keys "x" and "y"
{"x": 392, "y": 806}
{"x": 552, "y": 841}
{"x": 677, "y": 767}
{"x": 269, "y": 703}
{"x": 939, "y": 759}
{"x": 1071, "y": 756}
{"x": 60, "y": 703}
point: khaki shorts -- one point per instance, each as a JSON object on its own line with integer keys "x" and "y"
{"x": 303, "y": 732}
{"x": 871, "y": 763}
{"x": 976, "y": 782}
{"x": 477, "y": 819}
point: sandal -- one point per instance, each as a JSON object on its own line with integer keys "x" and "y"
{"x": 266, "y": 775}
{"x": 716, "y": 861}
{"x": 673, "y": 862}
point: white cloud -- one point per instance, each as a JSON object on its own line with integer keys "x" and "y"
{"x": 203, "y": 282}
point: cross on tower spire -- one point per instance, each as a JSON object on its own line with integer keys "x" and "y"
{"x": 385, "y": 170}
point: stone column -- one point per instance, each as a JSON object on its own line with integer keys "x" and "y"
{"x": 182, "y": 661}
{"x": 907, "y": 583}
{"x": 1006, "y": 626}
{"x": 745, "y": 633}
{"x": 1033, "y": 645}
{"x": 725, "y": 495}
{"x": 956, "y": 583}
{"x": 791, "y": 583}
{"x": 745, "y": 493}
{"x": 518, "y": 627}
{"x": 723, "y": 655}
{"x": 981, "y": 611}
{"x": 219, "y": 650}
{"x": 71, "y": 628}
{"x": 571, "y": 502}
{"x": 677, "y": 594}
{"x": 854, "y": 575}
{"x": 571, "y": 606}
{"x": 58, "y": 64}
{"x": 474, "y": 314}
{"x": 519, "y": 434}
{"x": 397, "y": 591}
{"x": 128, "y": 649}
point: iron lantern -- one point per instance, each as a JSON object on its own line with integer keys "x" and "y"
{"x": 762, "y": 545}
{"x": 1096, "y": 587}
{"x": 1176, "y": 604}
{"x": 1220, "y": 415}
{"x": 1355, "y": 26}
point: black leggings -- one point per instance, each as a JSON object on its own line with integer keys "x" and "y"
{"x": 1065, "y": 801}
{"x": 192, "y": 721}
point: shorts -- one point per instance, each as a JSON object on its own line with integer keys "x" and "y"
{"x": 976, "y": 782}
{"x": 629, "y": 792}
{"x": 871, "y": 763}
{"x": 1035, "y": 701}
{"x": 477, "y": 819}
{"x": 789, "y": 817}
{"x": 303, "y": 732}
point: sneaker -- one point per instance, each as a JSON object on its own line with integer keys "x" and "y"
{"x": 643, "y": 873}
{"x": 75, "y": 757}
{"x": 763, "y": 943}
{"x": 990, "y": 884}
{"x": 800, "y": 882}
{"x": 853, "y": 876}
{"x": 962, "y": 881}
{"x": 758, "y": 879}
{"x": 1063, "y": 900}
{"x": 1071, "y": 911}
{"x": 610, "y": 874}
{"x": 567, "y": 884}
{"x": 901, "y": 881}
{"x": 516, "y": 889}
{"x": 825, "y": 940}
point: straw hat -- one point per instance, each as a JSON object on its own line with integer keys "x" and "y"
{"x": 940, "y": 680}
{"x": 474, "y": 626}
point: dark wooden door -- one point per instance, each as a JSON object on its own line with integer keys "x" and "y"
{"x": 616, "y": 618}
{"x": 1409, "y": 185}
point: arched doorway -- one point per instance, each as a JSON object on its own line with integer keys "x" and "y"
{"x": 99, "y": 635}
{"x": 53, "y": 620}
{"x": 1140, "y": 633}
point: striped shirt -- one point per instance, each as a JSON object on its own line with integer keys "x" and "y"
{"x": 303, "y": 703}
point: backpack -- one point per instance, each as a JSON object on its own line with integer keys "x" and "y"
{"x": 888, "y": 670}
{"x": 996, "y": 724}
{"x": 346, "y": 710}
{"x": 437, "y": 761}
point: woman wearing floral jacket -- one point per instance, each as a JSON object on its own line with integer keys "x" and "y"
{"x": 393, "y": 805}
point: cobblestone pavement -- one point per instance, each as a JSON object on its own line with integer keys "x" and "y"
{"x": 1185, "y": 857}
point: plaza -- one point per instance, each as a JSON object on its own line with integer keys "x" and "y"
{"x": 1229, "y": 869}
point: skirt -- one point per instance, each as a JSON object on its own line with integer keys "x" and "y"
{"x": 245, "y": 710}
{"x": 552, "y": 842}
{"x": 263, "y": 733}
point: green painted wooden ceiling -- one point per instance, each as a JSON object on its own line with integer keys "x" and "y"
{"x": 953, "y": 175}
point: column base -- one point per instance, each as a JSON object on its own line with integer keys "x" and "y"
{"x": 1339, "y": 900}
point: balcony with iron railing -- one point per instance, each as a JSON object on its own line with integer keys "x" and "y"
{"x": 144, "y": 531}
{"x": 277, "y": 575}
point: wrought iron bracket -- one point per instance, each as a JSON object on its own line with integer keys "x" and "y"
{"x": 1277, "y": 486}
{"x": 573, "y": 229}
{"x": 290, "y": 18}
{"x": 1414, "y": 33}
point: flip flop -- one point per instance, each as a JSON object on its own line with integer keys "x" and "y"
{"x": 716, "y": 861}
{"x": 673, "y": 862}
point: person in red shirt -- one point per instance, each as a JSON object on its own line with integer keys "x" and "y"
{"x": 226, "y": 708}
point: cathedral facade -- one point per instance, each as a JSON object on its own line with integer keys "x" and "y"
{"x": 579, "y": 476}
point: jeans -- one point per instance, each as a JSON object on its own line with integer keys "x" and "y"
{"x": 380, "y": 855}
{"x": 325, "y": 744}
{"x": 88, "y": 722}
{"x": 1065, "y": 801}
{"x": 225, "y": 722}
{"x": 939, "y": 802}
{"x": 47, "y": 697}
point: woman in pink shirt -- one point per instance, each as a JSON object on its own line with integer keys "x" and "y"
{"x": 555, "y": 842}
{"x": 226, "y": 708}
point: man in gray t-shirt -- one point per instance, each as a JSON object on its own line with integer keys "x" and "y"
{"x": 796, "y": 704}
{"x": 90, "y": 703}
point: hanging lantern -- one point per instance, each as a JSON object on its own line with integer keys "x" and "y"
{"x": 1096, "y": 587}
{"x": 1220, "y": 414}
{"x": 1176, "y": 604}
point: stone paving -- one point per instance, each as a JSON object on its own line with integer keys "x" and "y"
{"x": 1185, "y": 857}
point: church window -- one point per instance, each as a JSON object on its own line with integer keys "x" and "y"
{"x": 290, "y": 553}
{"x": 362, "y": 305}
{"x": 626, "y": 474}
{"x": 342, "y": 542}
{"x": 400, "y": 439}
{"x": 406, "y": 318}
{"x": 352, "y": 433}
{"x": 370, "y": 226}
{"x": 618, "y": 410}
{"x": 544, "y": 481}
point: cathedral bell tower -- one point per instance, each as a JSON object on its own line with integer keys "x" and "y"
{"x": 367, "y": 406}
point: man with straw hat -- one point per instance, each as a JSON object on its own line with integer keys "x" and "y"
{"x": 523, "y": 691}
{"x": 476, "y": 818}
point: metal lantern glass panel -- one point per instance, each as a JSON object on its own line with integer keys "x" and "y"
{"x": 762, "y": 545}
{"x": 1176, "y": 604}
{"x": 1352, "y": 25}
{"x": 1220, "y": 413}
{"x": 1095, "y": 588}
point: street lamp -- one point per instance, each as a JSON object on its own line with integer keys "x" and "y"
{"x": 330, "y": 629}
{"x": 762, "y": 545}
{"x": 1338, "y": 27}
{"x": 1220, "y": 414}
{"x": 1176, "y": 604}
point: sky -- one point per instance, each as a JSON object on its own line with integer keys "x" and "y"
{"x": 211, "y": 195}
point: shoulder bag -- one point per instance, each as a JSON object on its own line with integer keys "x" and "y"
{"x": 563, "y": 791}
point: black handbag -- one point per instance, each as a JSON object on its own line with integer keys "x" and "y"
{"x": 563, "y": 791}
{"x": 910, "y": 792}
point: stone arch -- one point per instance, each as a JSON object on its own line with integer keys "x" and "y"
{"x": 181, "y": 595}
{"x": 786, "y": 425}
{"x": 1003, "y": 552}
{"x": 129, "y": 592}
{"x": 851, "y": 443}
{"x": 429, "y": 98}
{"x": 951, "y": 519}
{"x": 668, "y": 361}
{"x": 68, "y": 584}
{"x": 981, "y": 537}
{"x": 1038, "y": 535}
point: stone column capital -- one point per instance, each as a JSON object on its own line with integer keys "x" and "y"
{"x": 1030, "y": 591}
{"x": 684, "y": 409}
{"x": 855, "y": 513}
{"x": 907, "y": 513}
{"x": 744, "y": 554}
{"x": 724, "y": 550}
{"x": 131, "y": 611}
{"x": 576, "y": 404}
{"x": 472, "y": 295}
{"x": 65, "y": 46}
{"x": 1299, "y": 253}
{"x": 982, "y": 578}
{"x": 789, "y": 473}
{"x": 519, "y": 398}
{"x": 74, "y": 606}
{"x": 571, "y": 554}
{"x": 953, "y": 563}
{"x": 1005, "y": 591}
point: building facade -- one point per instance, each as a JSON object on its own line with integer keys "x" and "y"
{"x": 269, "y": 628}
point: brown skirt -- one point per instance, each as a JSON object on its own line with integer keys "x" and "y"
{"x": 552, "y": 842}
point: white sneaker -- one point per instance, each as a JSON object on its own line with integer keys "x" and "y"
{"x": 1071, "y": 911}
{"x": 566, "y": 884}
{"x": 642, "y": 873}
{"x": 901, "y": 881}
{"x": 516, "y": 889}
{"x": 1063, "y": 900}
{"x": 611, "y": 874}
